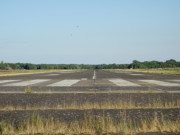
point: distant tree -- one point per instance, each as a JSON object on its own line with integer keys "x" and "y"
{"x": 3, "y": 66}
{"x": 30, "y": 66}
{"x": 171, "y": 63}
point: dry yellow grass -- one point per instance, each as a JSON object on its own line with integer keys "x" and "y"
{"x": 158, "y": 71}
{"x": 96, "y": 105}
{"x": 90, "y": 125}
{"x": 24, "y": 72}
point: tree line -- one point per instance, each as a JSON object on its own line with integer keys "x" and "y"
{"x": 134, "y": 65}
{"x": 154, "y": 64}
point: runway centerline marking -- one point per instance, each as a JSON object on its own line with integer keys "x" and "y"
{"x": 94, "y": 75}
{"x": 26, "y": 83}
{"x": 121, "y": 82}
{"x": 161, "y": 83}
{"x": 64, "y": 83}
{"x": 7, "y": 81}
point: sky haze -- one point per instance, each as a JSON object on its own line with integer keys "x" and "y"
{"x": 89, "y": 31}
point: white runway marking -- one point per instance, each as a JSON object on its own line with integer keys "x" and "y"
{"x": 83, "y": 78}
{"x": 94, "y": 75}
{"x": 6, "y": 81}
{"x": 64, "y": 83}
{"x": 68, "y": 72}
{"x": 161, "y": 83}
{"x": 121, "y": 82}
{"x": 175, "y": 80}
{"x": 136, "y": 74}
{"x": 26, "y": 83}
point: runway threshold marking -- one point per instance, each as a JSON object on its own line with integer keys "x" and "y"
{"x": 161, "y": 83}
{"x": 103, "y": 83}
{"x": 64, "y": 83}
{"x": 175, "y": 80}
{"x": 7, "y": 81}
{"x": 69, "y": 72}
{"x": 121, "y": 82}
{"x": 26, "y": 83}
{"x": 83, "y": 78}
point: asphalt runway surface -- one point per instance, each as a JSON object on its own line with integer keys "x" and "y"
{"x": 91, "y": 81}
{"x": 68, "y": 99}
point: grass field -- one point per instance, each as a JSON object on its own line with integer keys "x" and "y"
{"x": 96, "y": 105}
{"x": 175, "y": 71}
{"x": 23, "y": 72}
{"x": 90, "y": 125}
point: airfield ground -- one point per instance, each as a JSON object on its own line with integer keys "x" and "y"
{"x": 82, "y": 81}
{"x": 136, "y": 98}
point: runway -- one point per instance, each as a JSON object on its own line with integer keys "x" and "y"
{"x": 91, "y": 81}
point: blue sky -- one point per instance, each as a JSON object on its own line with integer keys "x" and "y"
{"x": 89, "y": 31}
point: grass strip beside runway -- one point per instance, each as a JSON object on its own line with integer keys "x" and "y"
{"x": 95, "y": 105}
{"x": 26, "y": 72}
{"x": 173, "y": 71}
{"x": 91, "y": 125}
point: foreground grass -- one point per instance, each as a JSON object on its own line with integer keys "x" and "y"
{"x": 90, "y": 125}
{"x": 23, "y": 72}
{"x": 175, "y": 71}
{"x": 96, "y": 105}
